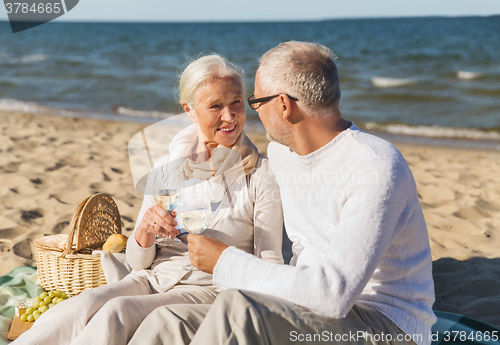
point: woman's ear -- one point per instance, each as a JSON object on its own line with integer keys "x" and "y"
{"x": 190, "y": 112}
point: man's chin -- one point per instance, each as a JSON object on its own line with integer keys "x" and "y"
{"x": 271, "y": 138}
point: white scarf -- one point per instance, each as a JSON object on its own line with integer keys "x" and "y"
{"x": 227, "y": 165}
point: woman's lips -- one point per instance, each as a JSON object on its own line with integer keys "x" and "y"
{"x": 227, "y": 129}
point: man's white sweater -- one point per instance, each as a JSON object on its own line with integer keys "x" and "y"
{"x": 359, "y": 236}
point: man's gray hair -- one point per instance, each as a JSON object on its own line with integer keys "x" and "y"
{"x": 303, "y": 70}
{"x": 205, "y": 69}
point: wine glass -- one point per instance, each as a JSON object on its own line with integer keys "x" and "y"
{"x": 195, "y": 212}
{"x": 167, "y": 198}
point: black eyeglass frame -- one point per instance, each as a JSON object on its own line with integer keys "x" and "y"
{"x": 264, "y": 99}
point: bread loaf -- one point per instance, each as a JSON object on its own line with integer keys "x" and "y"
{"x": 115, "y": 243}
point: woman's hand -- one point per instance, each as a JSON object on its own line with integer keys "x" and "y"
{"x": 156, "y": 221}
{"x": 204, "y": 252}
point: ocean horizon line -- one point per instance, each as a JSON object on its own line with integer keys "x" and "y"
{"x": 266, "y": 21}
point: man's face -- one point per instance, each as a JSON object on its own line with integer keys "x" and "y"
{"x": 277, "y": 129}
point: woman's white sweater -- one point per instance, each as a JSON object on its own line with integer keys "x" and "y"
{"x": 359, "y": 236}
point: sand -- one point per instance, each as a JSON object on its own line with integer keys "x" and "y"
{"x": 459, "y": 191}
{"x": 48, "y": 165}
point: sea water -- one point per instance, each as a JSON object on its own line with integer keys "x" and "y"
{"x": 427, "y": 77}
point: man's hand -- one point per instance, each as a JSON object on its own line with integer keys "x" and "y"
{"x": 204, "y": 252}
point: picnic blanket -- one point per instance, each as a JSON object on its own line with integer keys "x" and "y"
{"x": 450, "y": 329}
{"x": 19, "y": 285}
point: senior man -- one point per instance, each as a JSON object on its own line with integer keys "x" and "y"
{"x": 361, "y": 268}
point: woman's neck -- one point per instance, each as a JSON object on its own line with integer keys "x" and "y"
{"x": 203, "y": 149}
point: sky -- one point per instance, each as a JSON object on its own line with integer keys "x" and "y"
{"x": 267, "y": 10}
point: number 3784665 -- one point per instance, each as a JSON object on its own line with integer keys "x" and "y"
{"x": 23, "y": 7}
{"x": 470, "y": 336}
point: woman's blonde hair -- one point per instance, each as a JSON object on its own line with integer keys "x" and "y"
{"x": 202, "y": 70}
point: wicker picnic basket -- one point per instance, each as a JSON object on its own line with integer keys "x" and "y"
{"x": 65, "y": 262}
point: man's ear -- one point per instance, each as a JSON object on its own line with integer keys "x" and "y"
{"x": 191, "y": 113}
{"x": 285, "y": 107}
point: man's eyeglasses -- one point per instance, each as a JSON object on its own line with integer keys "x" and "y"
{"x": 255, "y": 103}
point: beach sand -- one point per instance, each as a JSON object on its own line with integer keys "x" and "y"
{"x": 48, "y": 165}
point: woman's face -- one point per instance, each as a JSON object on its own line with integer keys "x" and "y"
{"x": 220, "y": 111}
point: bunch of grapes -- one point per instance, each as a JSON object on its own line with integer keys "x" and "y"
{"x": 42, "y": 303}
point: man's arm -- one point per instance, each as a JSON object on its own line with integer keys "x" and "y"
{"x": 368, "y": 226}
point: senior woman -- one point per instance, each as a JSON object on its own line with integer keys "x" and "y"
{"x": 247, "y": 215}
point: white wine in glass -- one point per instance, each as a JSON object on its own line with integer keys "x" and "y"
{"x": 195, "y": 222}
{"x": 195, "y": 212}
{"x": 167, "y": 198}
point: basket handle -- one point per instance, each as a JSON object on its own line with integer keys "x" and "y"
{"x": 73, "y": 227}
